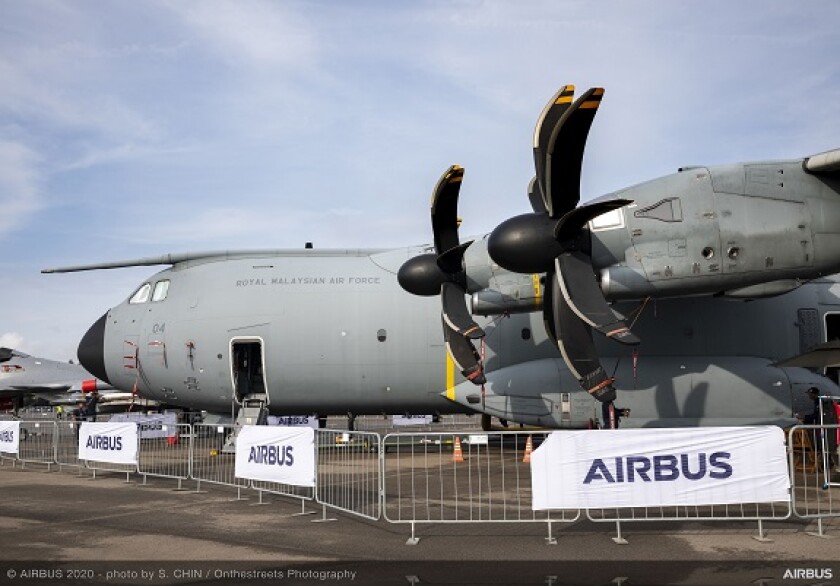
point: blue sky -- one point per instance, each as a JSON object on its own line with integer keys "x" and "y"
{"x": 131, "y": 129}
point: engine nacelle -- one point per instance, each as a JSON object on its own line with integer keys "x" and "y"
{"x": 490, "y": 302}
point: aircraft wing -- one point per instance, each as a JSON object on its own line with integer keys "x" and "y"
{"x": 172, "y": 259}
{"x": 43, "y": 388}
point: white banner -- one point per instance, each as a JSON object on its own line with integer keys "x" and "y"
{"x": 108, "y": 442}
{"x": 596, "y": 469}
{"x": 276, "y": 454}
{"x": 412, "y": 419}
{"x": 294, "y": 420}
{"x": 151, "y": 425}
{"x": 9, "y": 436}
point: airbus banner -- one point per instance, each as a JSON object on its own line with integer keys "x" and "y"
{"x": 294, "y": 420}
{"x": 276, "y": 454}
{"x": 154, "y": 425}
{"x": 9, "y": 436}
{"x": 412, "y": 419}
{"x": 596, "y": 469}
{"x": 108, "y": 442}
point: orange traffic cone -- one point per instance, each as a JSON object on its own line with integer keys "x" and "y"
{"x": 529, "y": 447}
{"x": 457, "y": 454}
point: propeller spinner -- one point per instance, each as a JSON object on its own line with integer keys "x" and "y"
{"x": 442, "y": 272}
{"x": 555, "y": 240}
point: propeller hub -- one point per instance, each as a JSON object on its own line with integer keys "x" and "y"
{"x": 525, "y": 244}
{"x": 421, "y": 275}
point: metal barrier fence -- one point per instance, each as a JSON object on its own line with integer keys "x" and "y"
{"x": 384, "y": 424}
{"x": 8, "y": 457}
{"x": 303, "y": 493}
{"x": 213, "y": 457}
{"x": 348, "y": 472}
{"x": 67, "y": 444}
{"x": 759, "y": 512}
{"x": 168, "y": 456}
{"x": 426, "y": 477}
{"x": 814, "y": 472}
{"x": 467, "y": 478}
{"x": 37, "y": 442}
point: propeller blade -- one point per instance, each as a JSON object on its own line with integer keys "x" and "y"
{"x": 464, "y": 354}
{"x": 445, "y": 209}
{"x": 455, "y": 313}
{"x": 535, "y": 196}
{"x": 578, "y": 349}
{"x": 551, "y": 114}
{"x": 451, "y": 261}
{"x": 564, "y": 156}
{"x": 548, "y": 307}
{"x": 585, "y": 298}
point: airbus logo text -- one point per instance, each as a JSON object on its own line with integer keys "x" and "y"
{"x": 272, "y": 455}
{"x": 660, "y": 468}
{"x": 104, "y": 442}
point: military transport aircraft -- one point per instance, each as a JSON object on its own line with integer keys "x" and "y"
{"x": 332, "y": 331}
{"x": 22, "y": 375}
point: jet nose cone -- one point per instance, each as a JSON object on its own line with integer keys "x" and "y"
{"x": 92, "y": 350}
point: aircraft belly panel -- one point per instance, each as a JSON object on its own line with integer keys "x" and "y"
{"x": 666, "y": 391}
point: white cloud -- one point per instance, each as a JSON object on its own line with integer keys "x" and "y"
{"x": 19, "y": 193}
{"x": 34, "y": 89}
{"x": 125, "y": 152}
{"x": 256, "y": 33}
{"x": 11, "y": 340}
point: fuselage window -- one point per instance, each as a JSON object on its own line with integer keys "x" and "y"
{"x": 607, "y": 221}
{"x": 142, "y": 294}
{"x": 161, "y": 289}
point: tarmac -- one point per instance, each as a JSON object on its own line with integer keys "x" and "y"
{"x": 60, "y": 527}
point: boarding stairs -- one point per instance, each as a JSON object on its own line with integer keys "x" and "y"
{"x": 252, "y": 411}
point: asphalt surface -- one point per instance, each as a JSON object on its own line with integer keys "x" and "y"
{"x": 59, "y": 527}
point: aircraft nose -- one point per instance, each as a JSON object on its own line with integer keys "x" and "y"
{"x": 92, "y": 350}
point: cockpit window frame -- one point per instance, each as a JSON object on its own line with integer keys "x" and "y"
{"x": 162, "y": 284}
{"x": 141, "y": 295}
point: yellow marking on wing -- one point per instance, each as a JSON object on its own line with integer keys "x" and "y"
{"x": 450, "y": 377}
{"x": 535, "y": 279}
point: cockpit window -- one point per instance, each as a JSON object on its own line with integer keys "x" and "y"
{"x": 161, "y": 289}
{"x": 142, "y": 294}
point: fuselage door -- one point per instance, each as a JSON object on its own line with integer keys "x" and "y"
{"x": 247, "y": 370}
